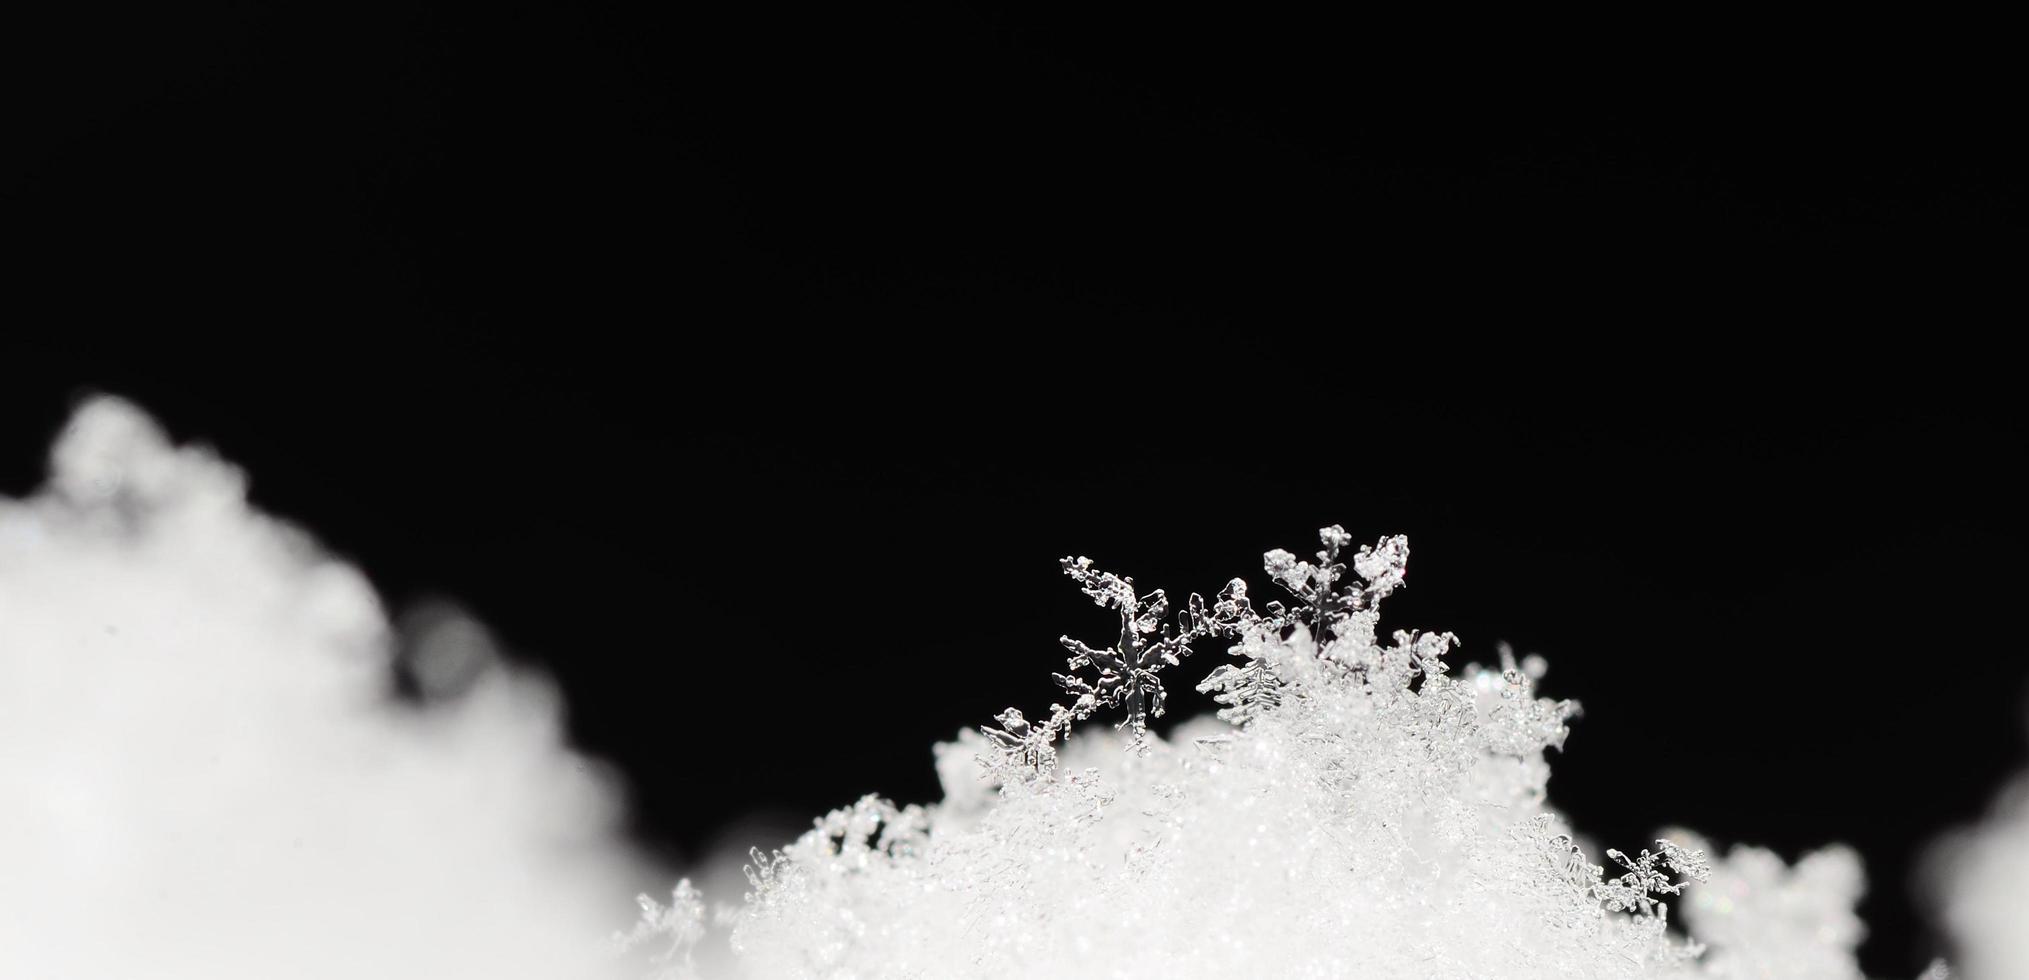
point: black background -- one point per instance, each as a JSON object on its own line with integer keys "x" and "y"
{"x": 751, "y": 370}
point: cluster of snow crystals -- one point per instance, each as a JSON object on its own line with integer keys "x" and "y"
{"x": 1357, "y": 810}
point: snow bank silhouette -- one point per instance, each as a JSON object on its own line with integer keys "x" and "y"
{"x": 202, "y": 774}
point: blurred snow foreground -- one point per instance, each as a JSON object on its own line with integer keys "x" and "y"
{"x": 201, "y": 775}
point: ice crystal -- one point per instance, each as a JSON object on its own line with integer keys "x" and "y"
{"x": 1358, "y": 809}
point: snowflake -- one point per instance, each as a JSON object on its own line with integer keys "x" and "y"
{"x": 1126, "y": 671}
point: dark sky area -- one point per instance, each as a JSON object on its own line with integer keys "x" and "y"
{"x": 751, "y": 370}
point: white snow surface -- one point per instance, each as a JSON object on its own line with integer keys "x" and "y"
{"x": 202, "y": 776}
